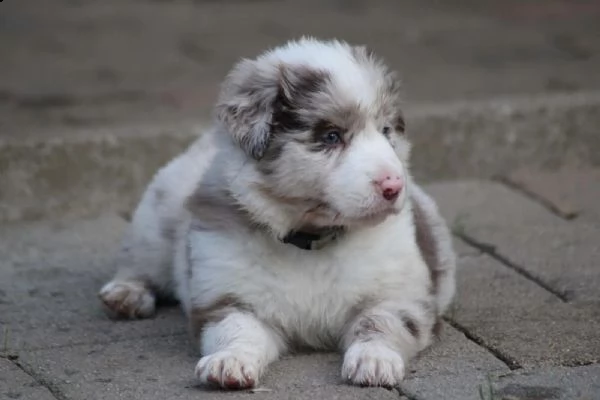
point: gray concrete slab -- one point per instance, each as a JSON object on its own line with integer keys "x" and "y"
{"x": 163, "y": 369}
{"x": 78, "y": 177}
{"x": 569, "y": 264}
{"x": 568, "y": 192}
{"x": 51, "y": 319}
{"x": 522, "y": 229}
{"x": 579, "y": 383}
{"x": 463, "y": 250}
{"x": 90, "y": 171}
{"x": 476, "y": 203}
{"x": 16, "y": 384}
{"x": 522, "y": 322}
{"x": 50, "y": 274}
{"x": 452, "y": 369}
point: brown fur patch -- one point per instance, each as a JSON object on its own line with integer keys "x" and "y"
{"x": 438, "y": 327}
{"x": 167, "y": 231}
{"x": 297, "y": 89}
{"x": 214, "y": 313}
{"x": 244, "y": 105}
{"x": 297, "y": 86}
{"x": 411, "y": 325}
{"x": 400, "y": 126}
{"x": 211, "y": 203}
{"x": 319, "y": 132}
{"x": 168, "y": 228}
{"x": 188, "y": 257}
{"x": 365, "y": 328}
{"x": 364, "y": 324}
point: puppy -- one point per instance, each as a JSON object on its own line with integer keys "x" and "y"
{"x": 294, "y": 222}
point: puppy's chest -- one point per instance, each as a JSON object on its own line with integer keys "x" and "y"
{"x": 306, "y": 292}
{"x": 312, "y": 298}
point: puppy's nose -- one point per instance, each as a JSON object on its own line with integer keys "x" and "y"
{"x": 390, "y": 186}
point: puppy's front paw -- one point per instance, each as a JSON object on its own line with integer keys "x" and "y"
{"x": 372, "y": 364}
{"x": 127, "y": 299}
{"x": 229, "y": 370}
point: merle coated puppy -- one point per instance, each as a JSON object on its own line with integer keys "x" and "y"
{"x": 294, "y": 221}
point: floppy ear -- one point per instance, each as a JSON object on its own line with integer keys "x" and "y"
{"x": 246, "y": 104}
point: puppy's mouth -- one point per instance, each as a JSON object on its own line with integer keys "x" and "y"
{"x": 375, "y": 217}
{"x": 327, "y": 215}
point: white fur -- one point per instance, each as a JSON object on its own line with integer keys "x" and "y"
{"x": 240, "y": 349}
{"x": 129, "y": 295}
{"x": 286, "y": 294}
{"x": 350, "y": 78}
{"x": 373, "y": 363}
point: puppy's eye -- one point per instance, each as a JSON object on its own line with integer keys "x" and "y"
{"x": 386, "y": 130}
{"x": 332, "y": 138}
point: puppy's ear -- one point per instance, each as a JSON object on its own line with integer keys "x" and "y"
{"x": 259, "y": 97}
{"x": 246, "y": 104}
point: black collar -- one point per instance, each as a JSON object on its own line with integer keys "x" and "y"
{"x": 313, "y": 241}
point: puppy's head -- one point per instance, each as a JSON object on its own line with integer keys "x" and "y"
{"x": 322, "y": 123}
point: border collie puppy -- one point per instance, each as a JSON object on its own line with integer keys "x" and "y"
{"x": 294, "y": 222}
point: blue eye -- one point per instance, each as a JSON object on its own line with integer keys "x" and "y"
{"x": 332, "y": 137}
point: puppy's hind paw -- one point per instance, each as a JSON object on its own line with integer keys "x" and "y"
{"x": 228, "y": 370}
{"x": 127, "y": 299}
{"x": 372, "y": 364}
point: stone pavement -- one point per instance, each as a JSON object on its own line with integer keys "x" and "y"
{"x": 524, "y": 324}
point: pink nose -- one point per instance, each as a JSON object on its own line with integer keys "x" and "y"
{"x": 390, "y": 186}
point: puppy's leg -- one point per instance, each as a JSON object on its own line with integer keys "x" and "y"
{"x": 144, "y": 264}
{"x": 128, "y": 299}
{"x": 236, "y": 351}
{"x": 142, "y": 272}
{"x": 381, "y": 340}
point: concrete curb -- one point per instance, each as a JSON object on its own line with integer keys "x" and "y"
{"x": 88, "y": 173}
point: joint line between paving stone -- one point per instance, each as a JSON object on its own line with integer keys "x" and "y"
{"x": 536, "y": 198}
{"x": 52, "y": 388}
{"x": 511, "y": 363}
{"x": 490, "y": 250}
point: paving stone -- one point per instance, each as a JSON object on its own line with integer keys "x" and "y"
{"x": 523, "y": 322}
{"x": 52, "y": 319}
{"x": 452, "y": 369}
{"x": 466, "y": 204}
{"x": 561, "y": 254}
{"x": 50, "y": 273}
{"x": 569, "y": 192}
{"x": 579, "y": 383}
{"x": 16, "y": 384}
{"x": 464, "y": 250}
{"x": 162, "y": 368}
{"x": 564, "y": 257}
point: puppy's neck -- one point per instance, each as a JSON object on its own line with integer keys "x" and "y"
{"x": 279, "y": 215}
